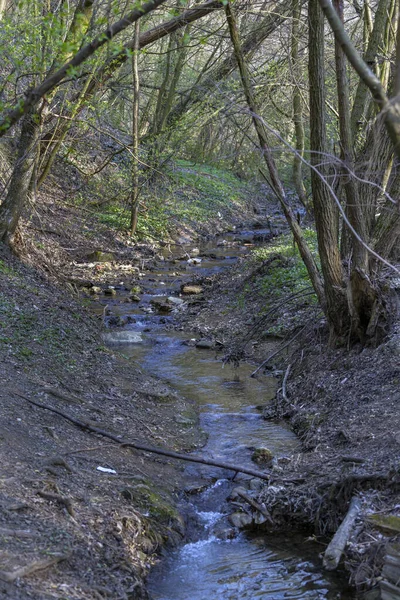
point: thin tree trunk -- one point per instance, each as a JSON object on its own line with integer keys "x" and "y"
{"x": 297, "y": 105}
{"x": 375, "y": 43}
{"x": 135, "y": 132}
{"x": 267, "y": 155}
{"x": 360, "y": 257}
{"x": 325, "y": 211}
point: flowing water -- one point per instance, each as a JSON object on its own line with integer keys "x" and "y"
{"x": 214, "y": 564}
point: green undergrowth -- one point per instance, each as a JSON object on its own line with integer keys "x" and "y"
{"x": 284, "y": 277}
{"x": 184, "y": 195}
{"x": 204, "y": 192}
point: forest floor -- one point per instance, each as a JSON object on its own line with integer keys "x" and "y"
{"x": 83, "y": 532}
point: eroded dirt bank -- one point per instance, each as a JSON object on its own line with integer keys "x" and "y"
{"x": 68, "y": 497}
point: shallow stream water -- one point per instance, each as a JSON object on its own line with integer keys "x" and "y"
{"x": 213, "y": 564}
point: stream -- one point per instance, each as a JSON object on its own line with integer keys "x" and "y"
{"x": 217, "y": 562}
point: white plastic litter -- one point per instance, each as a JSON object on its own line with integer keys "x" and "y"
{"x": 105, "y": 470}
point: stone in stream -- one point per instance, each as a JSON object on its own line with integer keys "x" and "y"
{"x": 205, "y": 344}
{"x": 95, "y": 289}
{"x": 175, "y": 300}
{"x": 191, "y": 289}
{"x": 122, "y": 337}
{"x": 161, "y": 305}
{"x": 110, "y": 291}
{"x": 240, "y": 519}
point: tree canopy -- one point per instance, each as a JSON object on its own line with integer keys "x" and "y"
{"x": 304, "y": 92}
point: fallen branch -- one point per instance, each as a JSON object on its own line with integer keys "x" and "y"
{"x": 86, "y": 426}
{"x": 284, "y": 394}
{"x": 37, "y": 565}
{"x": 335, "y": 549}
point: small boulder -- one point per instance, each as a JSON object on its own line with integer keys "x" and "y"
{"x": 161, "y": 305}
{"x": 205, "y": 344}
{"x": 174, "y": 300}
{"x": 191, "y": 289}
{"x": 99, "y": 256}
{"x": 110, "y": 291}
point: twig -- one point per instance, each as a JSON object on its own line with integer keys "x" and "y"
{"x": 284, "y": 395}
{"x": 25, "y": 533}
{"x": 126, "y": 444}
{"x": 255, "y": 505}
{"x": 271, "y": 356}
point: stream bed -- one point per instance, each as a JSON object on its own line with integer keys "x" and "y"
{"x": 217, "y": 562}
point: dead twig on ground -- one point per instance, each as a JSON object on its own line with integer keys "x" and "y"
{"x": 284, "y": 382}
{"x": 255, "y": 505}
{"x": 280, "y": 349}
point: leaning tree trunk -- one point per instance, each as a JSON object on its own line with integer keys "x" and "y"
{"x": 12, "y": 207}
{"x": 135, "y": 133}
{"x": 325, "y": 210}
{"x": 277, "y": 186}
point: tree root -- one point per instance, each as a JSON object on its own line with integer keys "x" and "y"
{"x": 37, "y": 565}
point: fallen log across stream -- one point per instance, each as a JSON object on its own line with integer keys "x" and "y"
{"x": 128, "y": 444}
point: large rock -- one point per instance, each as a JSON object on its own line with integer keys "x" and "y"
{"x": 122, "y": 337}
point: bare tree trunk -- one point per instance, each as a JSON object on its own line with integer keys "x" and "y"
{"x": 3, "y": 6}
{"x": 135, "y": 132}
{"x": 325, "y": 211}
{"x": 267, "y": 155}
{"x": 13, "y": 205}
